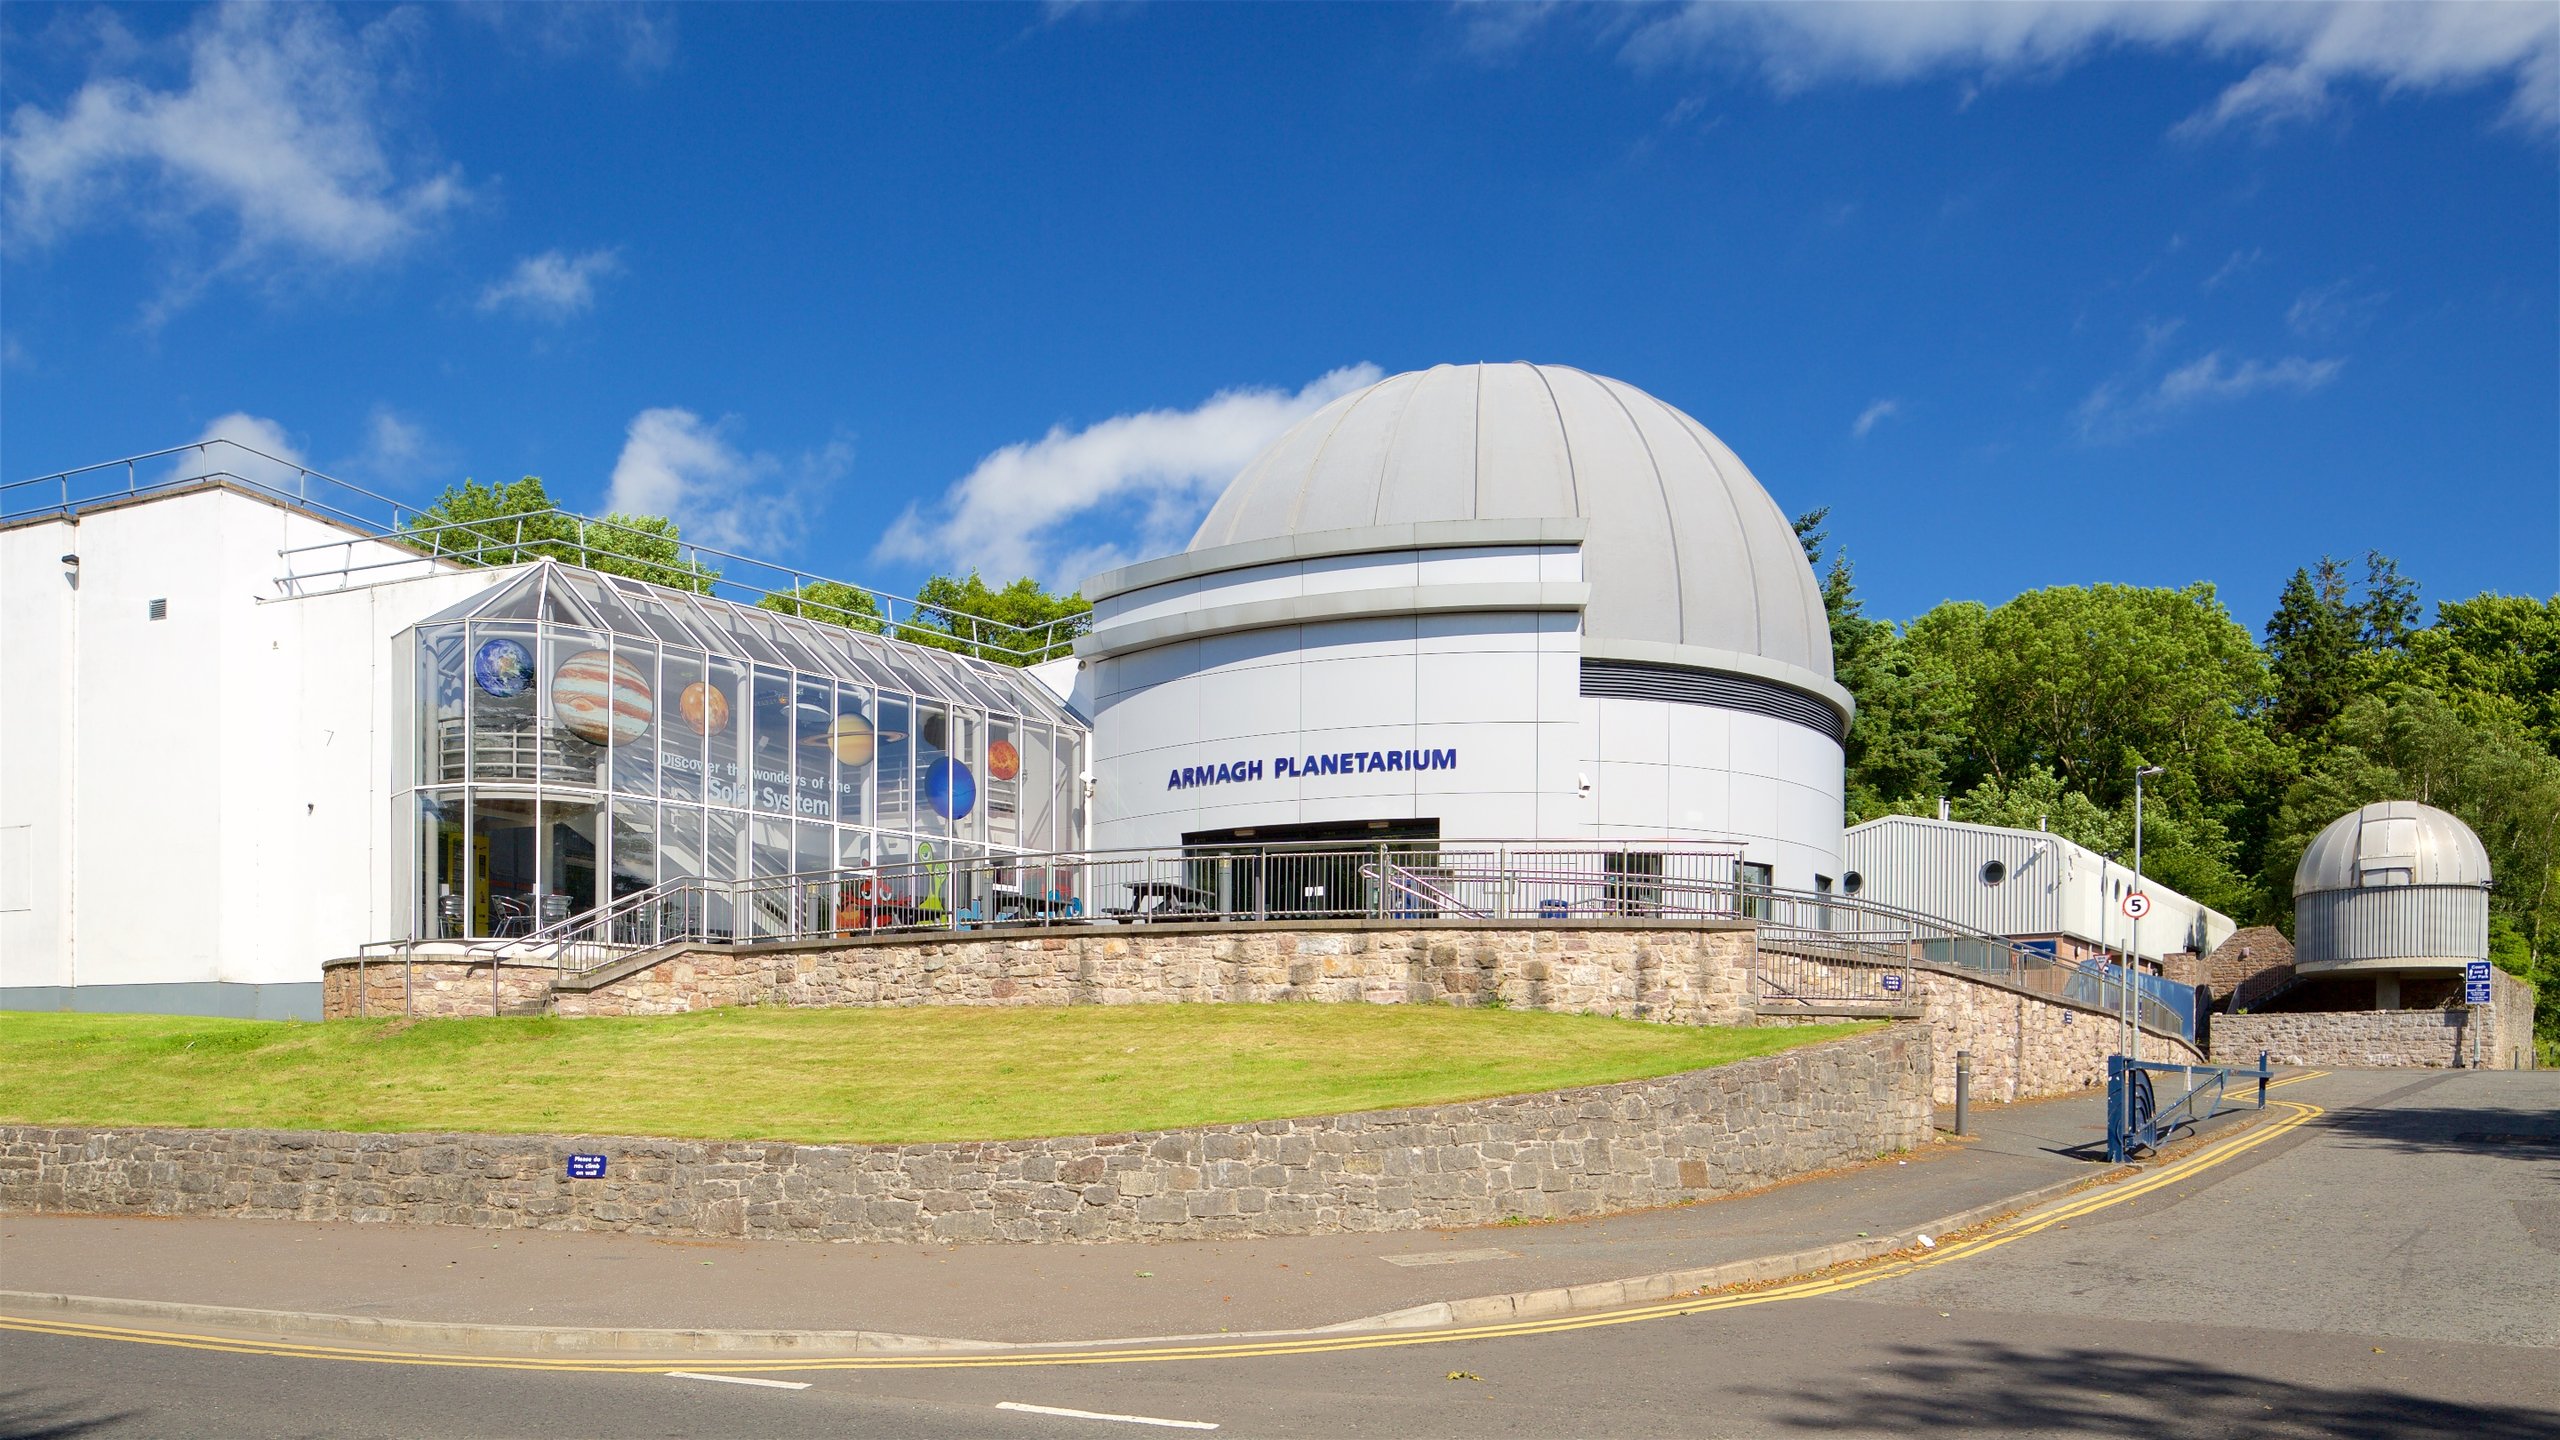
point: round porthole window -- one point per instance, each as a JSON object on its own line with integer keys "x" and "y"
{"x": 1993, "y": 872}
{"x": 1852, "y": 882}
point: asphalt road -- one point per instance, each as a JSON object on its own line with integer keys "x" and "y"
{"x": 2391, "y": 1269}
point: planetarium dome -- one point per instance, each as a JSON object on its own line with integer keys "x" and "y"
{"x": 2392, "y": 843}
{"x": 1689, "y": 561}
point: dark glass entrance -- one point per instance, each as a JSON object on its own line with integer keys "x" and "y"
{"x": 1328, "y": 870}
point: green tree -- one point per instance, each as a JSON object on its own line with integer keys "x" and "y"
{"x": 2312, "y": 644}
{"x": 512, "y": 523}
{"x": 832, "y": 601}
{"x": 1020, "y": 624}
{"x": 2494, "y": 654}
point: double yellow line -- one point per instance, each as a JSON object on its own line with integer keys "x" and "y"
{"x": 2005, "y": 1233}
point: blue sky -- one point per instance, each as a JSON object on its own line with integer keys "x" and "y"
{"x": 2029, "y": 294}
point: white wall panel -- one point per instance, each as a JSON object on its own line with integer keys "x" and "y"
{"x": 1480, "y": 687}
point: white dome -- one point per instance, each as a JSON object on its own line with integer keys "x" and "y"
{"x": 2392, "y": 842}
{"x": 1683, "y": 547}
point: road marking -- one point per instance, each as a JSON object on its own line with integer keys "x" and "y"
{"x": 2005, "y": 1233}
{"x": 739, "y": 1380}
{"x": 1101, "y": 1415}
{"x": 1450, "y": 1257}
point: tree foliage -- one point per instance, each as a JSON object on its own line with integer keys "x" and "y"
{"x": 508, "y": 524}
{"x": 1019, "y": 624}
{"x": 832, "y": 601}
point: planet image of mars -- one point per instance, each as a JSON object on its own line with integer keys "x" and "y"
{"x": 1003, "y": 761}
{"x": 706, "y": 710}
{"x": 602, "y": 699}
{"x": 852, "y": 738}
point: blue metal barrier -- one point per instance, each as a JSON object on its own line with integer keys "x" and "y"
{"x": 2135, "y": 1119}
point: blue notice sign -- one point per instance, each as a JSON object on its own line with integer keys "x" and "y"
{"x": 586, "y": 1167}
{"x": 2475, "y": 982}
{"x": 1893, "y": 984}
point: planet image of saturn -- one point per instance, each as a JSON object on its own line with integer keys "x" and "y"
{"x": 602, "y": 698}
{"x": 1003, "y": 761}
{"x": 705, "y": 709}
{"x": 852, "y": 738}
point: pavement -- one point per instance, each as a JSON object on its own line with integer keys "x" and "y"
{"x": 2375, "y": 1258}
{"x": 454, "y": 1285}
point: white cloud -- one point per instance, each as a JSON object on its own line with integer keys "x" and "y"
{"x": 1077, "y": 501}
{"x": 553, "y": 285}
{"x": 1875, "y": 415}
{"x": 2332, "y": 311}
{"x": 271, "y": 151}
{"x": 399, "y": 453}
{"x": 2120, "y": 409}
{"x": 2240, "y": 261}
{"x": 2303, "y": 48}
{"x": 641, "y": 37}
{"x": 675, "y": 464}
{"x": 251, "y": 447}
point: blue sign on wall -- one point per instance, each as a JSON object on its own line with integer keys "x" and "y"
{"x": 586, "y": 1167}
{"x": 1893, "y": 984}
{"x": 2475, "y": 982}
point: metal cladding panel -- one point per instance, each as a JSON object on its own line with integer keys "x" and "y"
{"x": 2399, "y": 922}
{"x": 1937, "y": 870}
{"x": 2391, "y": 843}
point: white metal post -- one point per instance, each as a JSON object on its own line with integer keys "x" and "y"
{"x": 2133, "y": 944}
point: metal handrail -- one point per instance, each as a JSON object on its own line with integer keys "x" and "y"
{"x": 1815, "y": 950}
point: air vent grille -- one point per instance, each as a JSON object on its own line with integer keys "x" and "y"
{"x": 1629, "y": 680}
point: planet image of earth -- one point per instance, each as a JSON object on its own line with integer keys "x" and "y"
{"x": 503, "y": 667}
{"x": 705, "y": 709}
{"x": 1003, "y": 761}
{"x": 852, "y": 738}
{"x": 950, "y": 789}
{"x": 602, "y": 699}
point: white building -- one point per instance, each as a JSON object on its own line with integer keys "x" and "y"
{"x": 1479, "y": 601}
{"x": 2023, "y": 885}
{"x": 243, "y": 731}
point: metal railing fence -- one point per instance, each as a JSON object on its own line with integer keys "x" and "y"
{"x": 1814, "y": 951}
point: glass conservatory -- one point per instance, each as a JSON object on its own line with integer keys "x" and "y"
{"x": 579, "y": 737}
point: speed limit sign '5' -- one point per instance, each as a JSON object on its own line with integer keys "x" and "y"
{"x": 2136, "y": 904}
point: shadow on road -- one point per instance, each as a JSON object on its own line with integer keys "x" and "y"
{"x": 26, "y": 1415}
{"x": 2002, "y": 1389}
{"x": 2451, "y": 1130}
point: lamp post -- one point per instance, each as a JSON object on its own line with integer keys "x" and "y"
{"x": 2133, "y": 944}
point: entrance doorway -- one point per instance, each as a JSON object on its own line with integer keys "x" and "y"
{"x": 1317, "y": 871}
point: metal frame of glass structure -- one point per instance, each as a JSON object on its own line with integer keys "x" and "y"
{"x": 577, "y": 736}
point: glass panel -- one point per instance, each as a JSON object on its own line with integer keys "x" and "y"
{"x": 503, "y": 868}
{"x": 635, "y": 847}
{"x": 893, "y": 784}
{"x": 503, "y": 702}
{"x": 813, "y": 760}
{"x": 443, "y": 885}
{"x": 660, "y": 620}
{"x": 898, "y": 886}
{"x": 769, "y": 858}
{"x": 581, "y": 698}
{"x": 724, "y": 720}
{"x": 855, "y": 741}
{"x": 864, "y": 654}
{"x": 853, "y": 849}
{"x": 1071, "y": 783}
{"x": 965, "y": 775}
{"x": 637, "y": 710}
{"x": 769, "y": 741}
{"x": 1039, "y": 790}
{"x": 680, "y": 843}
{"x": 814, "y": 855}
{"x": 933, "y": 777}
{"x": 437, "y": 705}
{"x": 724, "y": 834}
{"x": 569, "y": 859}
{"x": 1003, "y": 802}
{"x": 684, "y": 711}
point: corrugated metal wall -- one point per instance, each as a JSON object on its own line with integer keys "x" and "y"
{"x": 1937, "y": 870}
{"x": 2391, "y": 922}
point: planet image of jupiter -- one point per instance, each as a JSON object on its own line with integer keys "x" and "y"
{"x": 706, "y": 710}
{"x": 851, "y": 735}
{"x": 1003, "y": 761}
{"x": 602, "y": 698}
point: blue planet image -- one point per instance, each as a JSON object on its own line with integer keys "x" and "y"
{"x": 503, "y": 667}
{"x": 950, "y": 789}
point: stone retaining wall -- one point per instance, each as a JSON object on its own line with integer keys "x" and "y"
{"x": 1572, "y": 1152}
{"x": 2387, "y": 1039}
{"x": 1679, "y": 974}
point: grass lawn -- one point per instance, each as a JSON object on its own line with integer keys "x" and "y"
{"x": 830, "y": 1075}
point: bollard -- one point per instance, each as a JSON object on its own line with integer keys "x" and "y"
{"x": 1964, "y": 1086}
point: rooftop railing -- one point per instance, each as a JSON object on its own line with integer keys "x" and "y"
{"x": 422, "y": 542}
